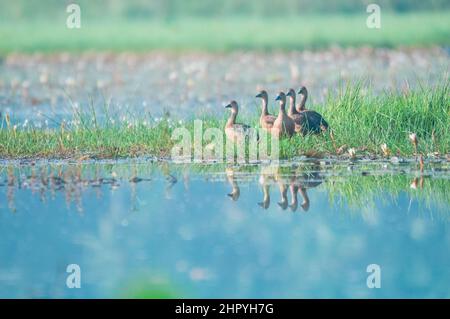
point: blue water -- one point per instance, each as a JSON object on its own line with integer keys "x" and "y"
{"x": 191, "y": 239}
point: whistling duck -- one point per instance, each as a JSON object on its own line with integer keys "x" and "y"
{"x": 283, "y": 124}
{"x": 313, "y": 121}
{"x": 234, "y": 131}
{"x": 266, "y": 120}
{"x": 297, "y": 117}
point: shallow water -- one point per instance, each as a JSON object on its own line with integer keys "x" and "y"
{"x": 159, "y": 229}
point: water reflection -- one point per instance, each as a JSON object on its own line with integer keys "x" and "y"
{"x": 156, "y": 229}
{"x": 291, "y": 184}
{"x": 283, "y": 178}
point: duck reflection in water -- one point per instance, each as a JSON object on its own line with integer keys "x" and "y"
{"x": 231, "y": 178}
{"x": 286, "y": 179}
{"x": 300, "y": 182}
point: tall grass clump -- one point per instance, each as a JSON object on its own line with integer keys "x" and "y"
{"x": 363, "y": 120}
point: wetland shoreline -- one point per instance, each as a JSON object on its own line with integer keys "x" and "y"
{"x": 362, "y": 125}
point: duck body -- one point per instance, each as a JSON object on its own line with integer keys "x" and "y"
{"x": 312, "y": 122}
{"x": 308, "y": 121}
{"x": 283, "y": 126}
{"x": 266, "y": 121}
{"x": 235, "y": 132}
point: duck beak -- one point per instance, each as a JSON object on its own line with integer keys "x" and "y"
{"x": 228, "y": 105}
{"x": 258, "y": 95}
{"x": 278, "y": 98}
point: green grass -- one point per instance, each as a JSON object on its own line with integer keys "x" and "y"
{"x": 358, "y": 119}
{"x": 225, "y": 34}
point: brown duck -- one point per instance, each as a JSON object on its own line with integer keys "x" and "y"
{"x": 296, "y": 116}
{"x": 265, "y": 120}
{"x": 234, "y": 131}
{"x": 283, "y": 125}
{"x": 313, "y": 122}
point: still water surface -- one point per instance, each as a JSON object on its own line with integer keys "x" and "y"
{"x": 161, "y": 230}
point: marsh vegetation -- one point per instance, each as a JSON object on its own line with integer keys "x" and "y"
{"x": 372, "y": 125}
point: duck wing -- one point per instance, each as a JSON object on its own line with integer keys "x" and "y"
{"x": 241, "y": 127}
{"x": 312, "y": 122}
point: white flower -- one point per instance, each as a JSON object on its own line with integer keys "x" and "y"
{"x": 352, "y": 152}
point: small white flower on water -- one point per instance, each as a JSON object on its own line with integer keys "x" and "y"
{"x": 352, "y": 152}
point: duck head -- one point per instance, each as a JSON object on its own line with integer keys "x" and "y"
{"x": 281, "y": 97}
{"x": 303, "y": 91}
{"x": 233, "y": 106}
{"x": 262, "y": 95}
{"x": 291, "y": 93}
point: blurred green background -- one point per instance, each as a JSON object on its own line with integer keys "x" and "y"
{"x": 165, "y": 9}
{"x": 219, "y": 25}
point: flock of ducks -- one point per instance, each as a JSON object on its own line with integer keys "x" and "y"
{"x": 297, "y": 120}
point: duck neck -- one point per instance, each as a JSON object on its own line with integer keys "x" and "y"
{"x": 266, "y": 193}
{"x": 283, "y": 192}
{"x": 294, "y": 190}
{"x": 292, "y": 109}
{"x": 264, "y": 107}
{"x": 282, "y": 109}
{"x": 301, "y": 106}
{"x": 232, "y": 119}
{"x": 305, "y": 204}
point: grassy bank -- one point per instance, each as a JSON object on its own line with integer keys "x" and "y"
{"x": 225, "y": 34}
{"x": 359, "y": 120}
